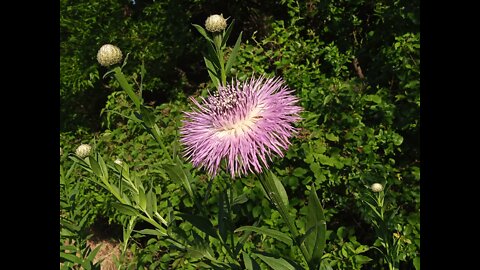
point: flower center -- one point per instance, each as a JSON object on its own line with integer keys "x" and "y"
{"x": 222, "y": 101}
{"x": 241, "y": 126}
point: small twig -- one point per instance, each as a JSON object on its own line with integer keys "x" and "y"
{"x": 358, "y": 69}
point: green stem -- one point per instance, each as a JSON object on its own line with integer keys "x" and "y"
{"x": 275, "y": 199}
{"x": 155, "y": 131}
{"x": 230, "y": 218}
{"x": 217, "y": 39}
{"x": 126, "y": 86}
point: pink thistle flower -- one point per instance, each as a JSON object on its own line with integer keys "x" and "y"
{"x": 243, "y": 123}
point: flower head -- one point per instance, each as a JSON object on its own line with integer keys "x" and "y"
{"x": 243, "y": 123}
{"x": 109, "y": 55}
{"x": 83, "y": 150}
{"x": 377, "y": 187}
{"x": 118, "y": 161}
{"x": 216, "y": 23}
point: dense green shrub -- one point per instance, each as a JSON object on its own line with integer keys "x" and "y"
{"x": 354, "y": 66}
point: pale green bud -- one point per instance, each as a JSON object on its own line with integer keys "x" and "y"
{"x": 109, "y": 55}
{"x": 377, "y": 187}
{"x": 83, "y": 150}
{"x": 215, "y": 23}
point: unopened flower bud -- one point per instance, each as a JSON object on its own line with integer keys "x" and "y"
{"x": 215, "y": 23}
{"x": 83, "y": 150}
{"x": 118, "y": 161}
{"x": 109, "y": 55}
{"x": 377, "y": 187}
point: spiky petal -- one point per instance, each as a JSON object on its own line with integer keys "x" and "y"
{"x": 243, "y": 123}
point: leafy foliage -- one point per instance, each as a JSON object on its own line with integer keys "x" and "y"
{"x": 355, "y": 68}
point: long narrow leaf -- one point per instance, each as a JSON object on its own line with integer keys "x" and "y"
{"x": 93, "y": 253}
{"x": 316, "y": 240}
{"x": 202, "y": 32}
{"x": 71, "y": 258}
{"x": 177, "y": 173}
{"x": 212, "y": 72}
{"x": 249, "y": 263}
{"x": 126, "y": 86}
{"x": 103, "y": 167}
{"x": 276, "y": 263}
{"x": 222, "y": 226}
{"x": 125, "y": 209}
{"x": 244, "y": 237}
{"x": 226, "y": 34}
{"x": 280, "y": 189}
{"x": 232, "y": 58}
{"x": 151, "y": 202}
{"x": 268, "y": 232}
{"x": 142, "y": 198}
{"x": 151, "y": 232}
{"x": 95, "y": 167}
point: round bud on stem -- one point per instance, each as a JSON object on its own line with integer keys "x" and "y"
{"x": 377, "y": 187}
{"x": 109, "y": 55}
{"x": 83, "y": 150}
{"x": 216, "y": 23}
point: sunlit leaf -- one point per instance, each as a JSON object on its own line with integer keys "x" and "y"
{"x": 268, "y": 232}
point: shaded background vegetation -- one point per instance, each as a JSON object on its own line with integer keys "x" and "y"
{"x": 354, "y": 64}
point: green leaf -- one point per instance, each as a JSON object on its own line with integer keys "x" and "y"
{"x": 125, "y": 209}
{"x": 151, "y": 232}
{"x": 103, "y": 167}
{"x": 177, "y": 173}
{"x": 202, "y": 32}
{"x": 151, "y": 202}
{"x": 93, "y": 253}
{"x": 299, "y": 172}
{"x": 316, "y": 241}
{"x": 69, "y": 226}
{"x": 397, "y": 139}
{"x": 71, "y": 258}
{"x": 87, "y": 265}
{"x": 249, "y": 263}
{"x": 147, "y": 116}
{"x": 222, "y": 217}
{"x": 212, "y": 72}
{"x": 361, "y": 249}
{"x": 202, "y": 223}
{"x": 325, "y": 160}
{"x": 332, "y": 137}
{"x": 70, "y": 248}
{"x": 142, "y": 198}
{"x": 242, "y": 198}
{"x": 416, "y": 263}
{"x": 361, "y": 259}
{"x": 268, "y": 232}
{"x": 375, "y": 98}
{"x": 233, "y": 56}
{"x": 280, "y": 189}
{"x": 227, "y": 32}
{"x": 276, "y": 263}
{"x": 126, "y": 86}
{"x": 95, "y": 167}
